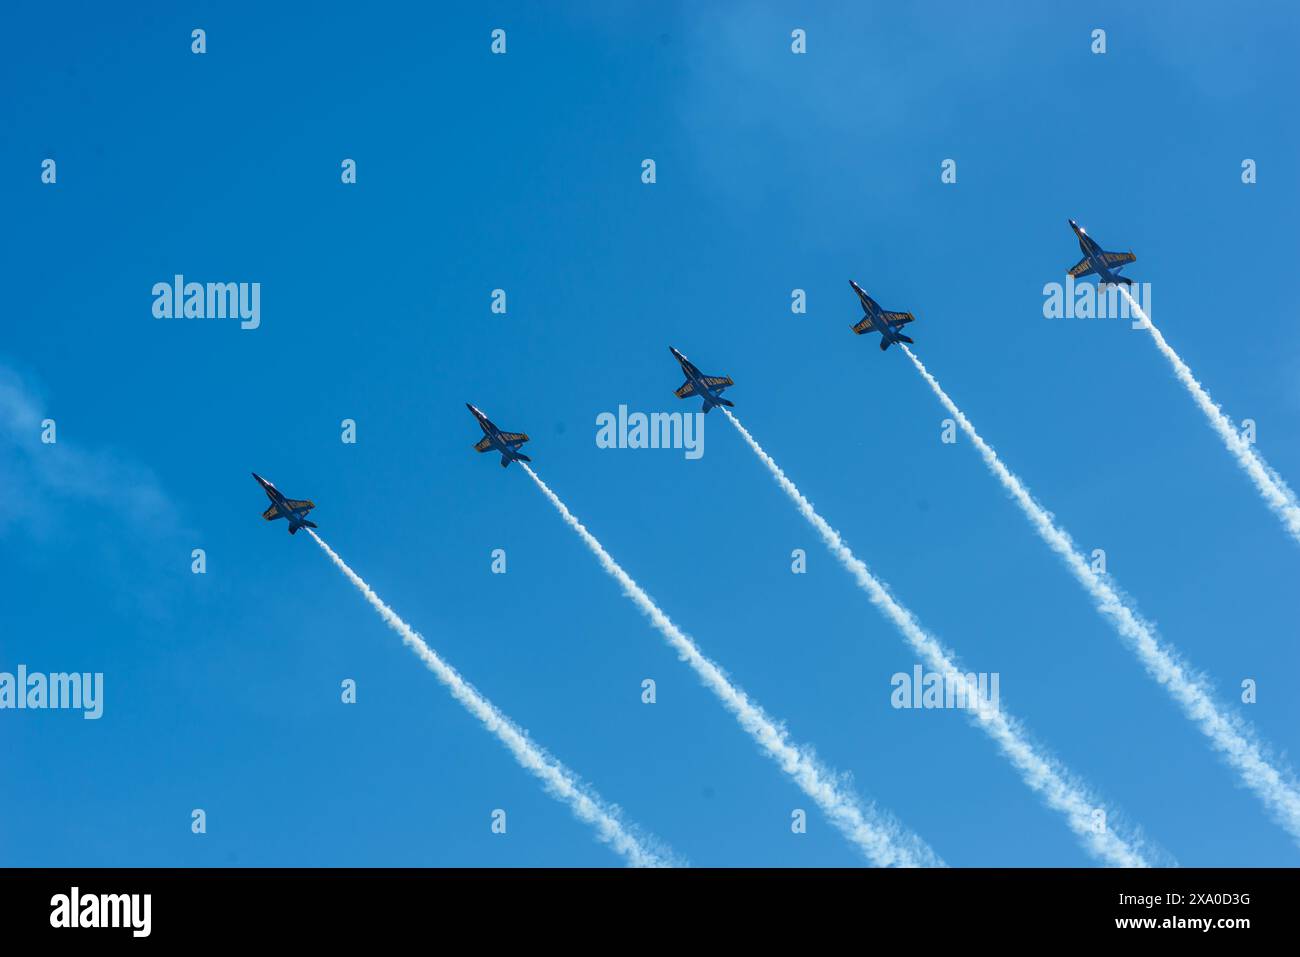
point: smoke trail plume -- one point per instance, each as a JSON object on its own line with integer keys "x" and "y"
{"x": 883, "y": 840}
{"x": 562, "y": 783}
{"x": 1227, "y": 732}
{"x": 1272, "y": 488}
{"x": 1059, "y": 789}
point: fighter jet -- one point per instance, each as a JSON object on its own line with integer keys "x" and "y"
{"x": 507, "y": 443}
{"x": 295, "y": 510}
{"x": 707, "y": 387}
{"x": 1096, "y": 260}
{"x": 887, "y": 324}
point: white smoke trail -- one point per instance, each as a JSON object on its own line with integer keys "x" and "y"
{"x": 883, "y": 840}
{"x": 562, "y": 783}
{"x": 1276, "y": 493}
{"x": 1059, "y": 789}
{"x": 1228, "y": 733}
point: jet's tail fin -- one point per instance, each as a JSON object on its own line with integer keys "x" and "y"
{"x": 727, "y": 402}
{"x": 505, "y": 461}
{"x": 310, "y": 524}
{"x": 521, "y": 457}
{"x": 293, "y": 529}
{"x": 885, "y": 343}
{"x": 903, "y": 338}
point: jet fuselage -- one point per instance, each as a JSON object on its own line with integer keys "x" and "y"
{"x": 509, "y": 450}
{"x": 1095, "y": 255}
{"x": 888, "y": 331}
{"x": 295, "y": 516}
{"x": 695, "y": 377}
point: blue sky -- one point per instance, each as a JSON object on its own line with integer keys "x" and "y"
{"x": 522, "y": 172}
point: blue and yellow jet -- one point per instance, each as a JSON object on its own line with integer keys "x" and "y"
{"x": 295, "y": 510}
{"x": 1104, "y": 265}
{"x": 707, "y": 387}
{"x": 878, "y": 320}
{"x": 507, "y": 443}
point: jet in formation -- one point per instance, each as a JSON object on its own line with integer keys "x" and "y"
{"x": 1096, "y": 261}
{"x": 707, "y": 387}
{"x": 878, "y": 320}
{"x": 507, "y": 443}
{"x": 293, "y": 509}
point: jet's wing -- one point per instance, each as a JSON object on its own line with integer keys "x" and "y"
{"x": 514, "y": 437}
{"x": 686, "y": 390}
{"x": 483, "y": 444}
{"x": 716, "y": 381}
{"x": 1118, "y": 259}
{"x": 271, "y": 514}
{"x": 865, "y": 326}
{"x": 898, "y": 318}
{"x": 1081, "y": 268}
{"x": 296, "y": 503}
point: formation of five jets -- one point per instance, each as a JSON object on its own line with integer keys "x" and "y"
{"x": 1096, "y": 261}
{"x": 883, "y": 841}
